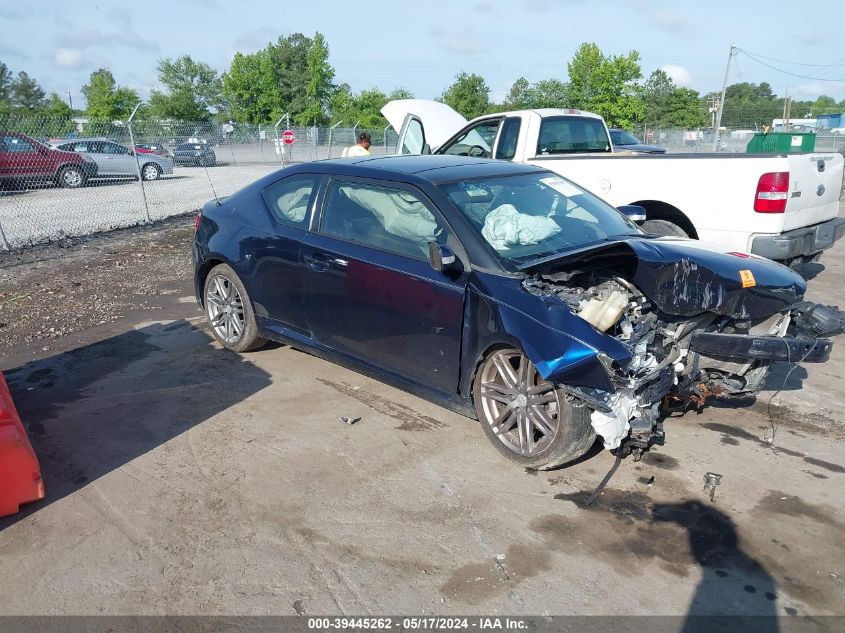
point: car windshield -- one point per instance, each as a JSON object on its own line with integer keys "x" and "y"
{"x": 530, "y": 216}
{"x": 621, "y": 137}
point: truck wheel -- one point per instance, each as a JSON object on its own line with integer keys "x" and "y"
{"x": 150, "y": 171}
{"x": 663, "y": 227}
{"x": 71, "y": 177}
{"x": 528, "y": 419}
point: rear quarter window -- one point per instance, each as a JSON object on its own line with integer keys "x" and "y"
{"x": 290, "y": 199}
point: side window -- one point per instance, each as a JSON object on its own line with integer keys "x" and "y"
{"x": 114, "y": 148}
{"x": 477, "y": 141}
{"x": 392, "y": 220}
{"x": 17, "y": 145}
{"x": 414, "y": 139}
{"x": 290, "y": 198}
{"x": 506, "y": 149}
{"x": 78, "y": 147}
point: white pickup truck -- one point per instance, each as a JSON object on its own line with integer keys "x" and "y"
{"x": 780, "y": 206}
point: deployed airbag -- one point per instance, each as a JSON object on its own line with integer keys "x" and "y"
{"x": 504, "y": 227}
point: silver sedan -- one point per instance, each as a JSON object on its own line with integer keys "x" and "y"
{"x": 115, "y": 160}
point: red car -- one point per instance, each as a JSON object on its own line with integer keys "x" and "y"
{"x": 152, "y": 148}
{"x": 24, "y": 161}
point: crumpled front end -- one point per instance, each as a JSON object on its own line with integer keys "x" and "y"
{"x": 691, "y": 331}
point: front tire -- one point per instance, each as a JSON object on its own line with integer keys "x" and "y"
{"x": 71, "y": 177}
{"x": 528, "y": 419}
{"x": 150, "y": 171}
{"x": 229, "y": 312}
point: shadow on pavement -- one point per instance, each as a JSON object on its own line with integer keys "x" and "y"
{"x": 732, "y": 582}
{"x": 93, "y": 409}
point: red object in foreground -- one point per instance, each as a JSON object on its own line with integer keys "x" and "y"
{"x": 20, "y": 474}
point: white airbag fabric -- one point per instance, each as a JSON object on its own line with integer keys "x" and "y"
{"x": 400, "y": 214}
{"x": 505, "y": 227}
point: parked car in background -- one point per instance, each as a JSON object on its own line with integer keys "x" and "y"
{"x": 625, "y": 141}
{"x": 153, "y": 148}
{"x": 116, "y": 161}
{"x": 194, "y": 154}
{"x": 25, "y": 161}
{"x": 501, "y": 290}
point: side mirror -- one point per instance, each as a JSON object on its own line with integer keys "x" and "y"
{"x": 633, "y": 212}
{"x": 441, "y": 257}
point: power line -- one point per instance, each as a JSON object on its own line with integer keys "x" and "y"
{"x": 786, "y": 61}
{"x": 785, "y": 72}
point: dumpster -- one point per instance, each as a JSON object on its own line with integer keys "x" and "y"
{"x": 781, "y": 143}
{"x": 20, "y": 474}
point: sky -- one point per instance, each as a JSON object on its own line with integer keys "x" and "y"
{"x": 423, "y": 44}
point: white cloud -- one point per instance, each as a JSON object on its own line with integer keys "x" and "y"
{"x": 670, "y": 21}
{"x": 69, "y": 58}
{"x": 812, "y": 90}
{"x": 462, "y": 42}
{"x": 679, "y": 74}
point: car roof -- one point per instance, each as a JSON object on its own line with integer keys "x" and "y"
{"x": 87, "y": 139}
{"x": 431, "y": 168}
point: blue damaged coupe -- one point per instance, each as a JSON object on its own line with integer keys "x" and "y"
{"x": 501, "y": 291}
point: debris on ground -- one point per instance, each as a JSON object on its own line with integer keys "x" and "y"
{"x": 711, "y": 480}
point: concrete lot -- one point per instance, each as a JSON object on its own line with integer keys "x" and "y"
{"x": 186, "y": 479}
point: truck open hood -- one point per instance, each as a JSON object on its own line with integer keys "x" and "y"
{"x": 439, "y": 120}
{"x": 686, "y": 280}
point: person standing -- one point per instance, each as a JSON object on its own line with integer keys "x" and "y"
{"x": 362, "y": 148}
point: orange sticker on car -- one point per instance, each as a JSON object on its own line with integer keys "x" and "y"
{"x": 747, "y": 278}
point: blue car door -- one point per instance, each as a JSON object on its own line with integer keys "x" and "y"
{"x": 369, "y": 290}
{"x": 272, "y": 258}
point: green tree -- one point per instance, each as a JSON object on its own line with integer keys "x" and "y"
{"x": 191, "y": 90}
{"x": 824, "y": 105}
{"x": 605, "y": 85}
{"x": 519, "y": 96}
{"x": 319, "y": 88}
{"x": 368, "y": 105}
{"x": 106, "y": 100}
{"x": 468, "y": 95}
{"x": 5, "y": 86}
{"x": 686, "y": 109}
{"x": 549, "y": 93}
{"x": 342, "y": 105}
{"x": 27, "y": 95}
{"x": 656, "y": 94}
{"x": 400, "y": 92}
{"x": 56, "y": 108}
{"x": 251, "y": 89}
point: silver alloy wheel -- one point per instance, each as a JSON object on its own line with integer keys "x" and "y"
{"x": 150, "y": 172}
{"x": 72, "y": 177}
{"x": 225, "y": 309}
{"x": 521, "y": 408}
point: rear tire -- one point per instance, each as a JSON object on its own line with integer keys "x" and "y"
{"x": 71, "y": 177}
{"x": 229, "y": 312}
{"x": 528, "y": 419}
{"x": 663, "y": 227}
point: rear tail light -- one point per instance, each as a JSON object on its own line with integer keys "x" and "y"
{"x": 772, "y": 192}
{"x": 197, "y": 221}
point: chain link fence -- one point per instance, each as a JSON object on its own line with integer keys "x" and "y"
{"x": 72, "y": 177}
{"x": 100, "y": 183}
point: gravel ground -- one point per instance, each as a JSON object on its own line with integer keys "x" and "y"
{"x": 54, "y": 291}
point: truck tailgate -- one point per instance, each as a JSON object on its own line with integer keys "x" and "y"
{"x": 815, "y": 183}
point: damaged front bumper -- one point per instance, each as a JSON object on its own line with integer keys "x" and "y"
{"x": 742, "y": 347}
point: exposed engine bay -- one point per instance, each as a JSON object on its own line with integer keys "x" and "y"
{"x": 678, "y": 358}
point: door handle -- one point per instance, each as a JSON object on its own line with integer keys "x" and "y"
{"x": 316, "y": 262}
{"x": 339, "y": 262}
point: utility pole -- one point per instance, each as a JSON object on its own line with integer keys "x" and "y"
{"x": 788, "y": 106}
{"x": 716, "y": 139}
{"x": 70, "y": 100}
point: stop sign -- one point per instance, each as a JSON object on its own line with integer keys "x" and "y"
{"x": 288, "y": 137}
